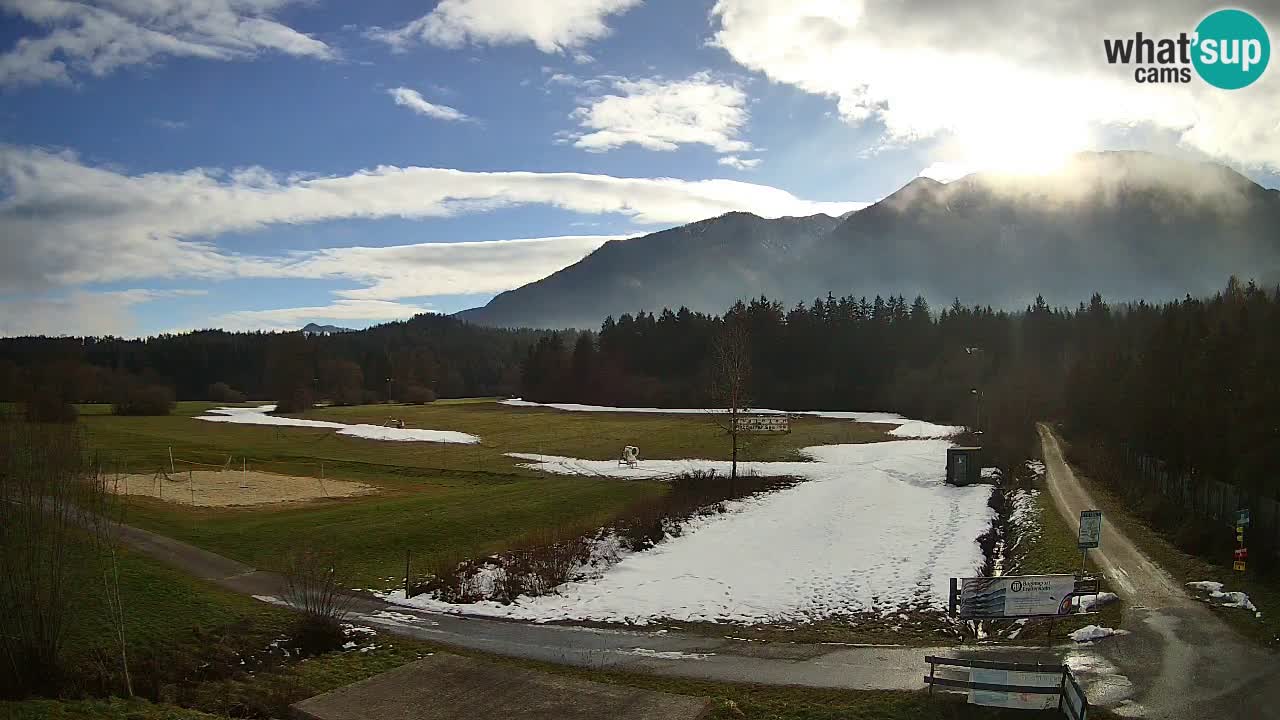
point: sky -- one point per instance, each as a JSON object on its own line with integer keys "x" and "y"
{"x": 168, "y": 165}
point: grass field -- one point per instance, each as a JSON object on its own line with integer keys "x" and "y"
{"x": 434, "y": 499}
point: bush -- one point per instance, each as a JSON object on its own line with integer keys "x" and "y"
{"x": 48, "y": 408}
{"x": 419, "y": 395}
{"x": 224, "y": 393}
{"x": 139, "y": 399}
{"x": 299, "y": 400}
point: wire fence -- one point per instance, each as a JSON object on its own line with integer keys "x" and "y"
{"x": 1211, "y": 499}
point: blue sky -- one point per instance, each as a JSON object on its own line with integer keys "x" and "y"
{"x": 174, "y": 164}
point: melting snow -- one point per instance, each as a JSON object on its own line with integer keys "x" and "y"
{"x": 1094, "y": 632}
{"x": 866, "y": 417}
{"x": 1228, "y": 599}
{"x": 920, "y": 429}
{"x": 873, "y": 528}
{"x": 258, "y": 416}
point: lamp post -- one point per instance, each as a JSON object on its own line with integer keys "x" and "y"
{"x": 977, "y": 408}
{"x": 389, "y": 381}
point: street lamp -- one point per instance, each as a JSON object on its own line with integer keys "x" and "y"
{"x": 977, "y": 403}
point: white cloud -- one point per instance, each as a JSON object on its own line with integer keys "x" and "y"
{"x": 99, "y": 40}
{"x": 339, "y": 311}
{"x": 413, "y": 100}
{"x": 739, "y": 163}
{"x": 661, "y": 115}
{"x": 79, "y": 312}
{"x": 427, "y": 269}
{"x": 1002, "y": 82}
{"x": 66, "y": 223}
{"x": 551, "y": 25}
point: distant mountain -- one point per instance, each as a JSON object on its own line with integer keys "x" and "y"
{"x": 705, "y": 265}
{"x": 1128, "y": 225}
{"x": 315, "y": 329}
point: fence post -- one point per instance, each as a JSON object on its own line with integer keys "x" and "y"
{"x": 406, "y": 573}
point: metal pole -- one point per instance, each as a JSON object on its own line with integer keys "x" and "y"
{"x": 171, "y": 460}
{"x": 406, "y": 573}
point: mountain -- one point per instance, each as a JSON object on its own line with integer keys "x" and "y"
{"x": 314, "y": 329}
{"x": 1126, "y": 224}
{"x": 704, "y": 265}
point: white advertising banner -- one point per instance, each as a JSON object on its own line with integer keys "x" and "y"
{"x": 1016, "y": 596}
{"x": 1021, "y": 701}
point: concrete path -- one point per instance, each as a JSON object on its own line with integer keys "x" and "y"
{"x": 1180, "y": 660}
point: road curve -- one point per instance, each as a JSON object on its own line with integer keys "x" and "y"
{"x": 1180, "y": 660}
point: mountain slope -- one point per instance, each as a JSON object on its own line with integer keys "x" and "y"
{"x": 1126, "y": 224}
{"x": 705, "y": 265}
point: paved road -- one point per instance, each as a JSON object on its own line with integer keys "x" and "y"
{"x": 1181, "y": 661}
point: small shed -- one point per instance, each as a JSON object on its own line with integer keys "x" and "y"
{"x": 963, "y": 466}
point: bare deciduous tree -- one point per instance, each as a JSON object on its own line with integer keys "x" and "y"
{"x": 731, "y": 377}
{"x": 51, "y": 496}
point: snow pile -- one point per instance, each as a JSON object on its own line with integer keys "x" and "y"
{"x": 1036, "y": 467}
{"x": 1085, "y": 603}
{"x": 865, "y": 417}
{"x": 1227, "y": 599}
{"x": 1089, "y": 633}
{"x": 874, "y": 528}
{"x": 258, "y": 416}
{"x": 921, "y": 429}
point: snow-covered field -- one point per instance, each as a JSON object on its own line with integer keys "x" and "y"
{"x": 906, "y": 428}
{"x": 874, "y": 528}
{"x": 258, "y": 416}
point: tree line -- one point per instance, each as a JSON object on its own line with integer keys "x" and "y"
{"x": 413, "y": 361}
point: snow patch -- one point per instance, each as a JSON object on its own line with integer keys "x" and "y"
{"x": 921, "y": 429}
{"x": 258, "y": 416}
{"x": 1230, "y": 599}
{"x": 1085, "y": 603}
{"x": 1089, "y": 633}
{"x": 874, "y": 528}
{"x": 665, "y": 655}
{"x": 865, "y": 417}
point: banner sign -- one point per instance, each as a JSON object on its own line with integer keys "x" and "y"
{"x": 1090, "y": 528}
{"x": 764, "y": 424}
{"x": 1018, "y": 700}
{"x": 1014, "y": 596}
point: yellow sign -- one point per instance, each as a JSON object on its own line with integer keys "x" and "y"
{"x": 1238, "y": 565}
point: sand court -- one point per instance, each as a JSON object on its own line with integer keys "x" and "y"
{"x": 233, "y": 488}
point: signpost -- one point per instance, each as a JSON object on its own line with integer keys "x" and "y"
{"x": 1014, "y": 596}
{"x": 1090, "y": 534}
{"x": 764, "y": 424}
{"x": 1241, "y": 553}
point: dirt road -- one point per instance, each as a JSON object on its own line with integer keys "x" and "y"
{"x": 1180, "y": 660}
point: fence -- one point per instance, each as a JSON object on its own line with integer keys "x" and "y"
{"x": 1210, "y": 499}
{"x": 1027, "y": 686}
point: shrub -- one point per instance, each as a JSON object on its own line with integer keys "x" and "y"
{"x": 419, "y": 395}
{"x": 139, "y": 399}
{"x": 296, "y": 401}
{"x": 48, "y": 408}
{"x": 224, "y": 393}
{"x": 316, "y": 589}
